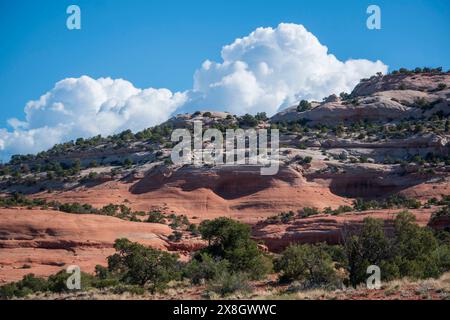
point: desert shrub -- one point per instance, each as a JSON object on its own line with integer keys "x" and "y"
{"x": 101, "y": 272}
{"x": 337, "y": 254}
{"x": 18, "y": 200}
{"x": 230, "y": 240}
{"x": 136, "y": 264}
{"x": 28, "y": 285}
{"x": 441, "y": 86}
{"x": 396, "y": 201}
{"x": 127, "y": 163}
{"x": 412, "y": 251}
{"x": 305, "y": 160}
{"x": 32, "y": 284}
{"x": 227, "y": 283}
{"x": 77, "y": 208}
{"x": 344, "y": 96}
{"x": 369, "y": 247}
{"x": 203, "y": 267}
{"x": 415, "y": 248}
{"x": 126, "y": 288}
{"x": 175, "y": 236}
{"x": 442, "y": 212}
{"x": 207, "y": 114}
{"x": 9, "y": 291}
{"x": 104, "y": 278}
{"x": 308, "y": 211}
{"x": 156, "y": 217}
{"x": 284, "y": 217}
{"x": 261, "y": 116}
{"x": 35, "y": 284}
{"x": 303, "y": 106}
{"x": 312, "y": 265}
{"x": 248, "y": 120}
{"x": 58, "y": 282}
{"x": 193, "y": 229}
{"x": 339, "y": 210}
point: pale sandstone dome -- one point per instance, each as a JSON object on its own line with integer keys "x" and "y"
{"x": 384, "y": 98}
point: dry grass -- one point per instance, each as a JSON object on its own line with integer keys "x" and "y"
{"x": 402, "y": 289}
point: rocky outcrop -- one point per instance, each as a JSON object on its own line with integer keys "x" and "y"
{"x": 418, "y": 82}
{"x": 43, "y": 241}
{"x": 379, "y": 99}
{"x": 325, "y": 228}
{"x": 240, "y": 192}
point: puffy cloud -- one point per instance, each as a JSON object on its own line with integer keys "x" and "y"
{"x": 274, "y": 68}
{"x": 266, "y": 71}
{"x": 84, "y": 107}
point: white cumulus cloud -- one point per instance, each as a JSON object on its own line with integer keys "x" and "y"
{"x": 274, "y": 68}
{"x": 84, "y": 107}
{"x": 267, "y": 70}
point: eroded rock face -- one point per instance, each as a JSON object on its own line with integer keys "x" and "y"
{"x": 418, "y": 82}
{"x": 379, "y": 99}
{"x": 44, "y": 241}
{"x": 238, "y": 192}
{"x": 325, "y": 228}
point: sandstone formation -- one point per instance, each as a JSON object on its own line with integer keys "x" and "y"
{"x": 325, "y": 228}
{"x": 44, "y": 241}
{"x": 389, "y": 137}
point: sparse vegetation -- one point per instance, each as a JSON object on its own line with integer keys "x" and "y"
{"x": 311, "y": 265}
{"x": 230, "y": 240}
{"x": 136, "y": 264}
{"x": 389, "y": 203}
{"x": 303, "y": 106}
{"x": 308, "y": 211}
{"x": 412, "y": 251}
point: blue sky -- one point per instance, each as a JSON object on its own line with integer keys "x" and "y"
{"x": 160, "y": 43}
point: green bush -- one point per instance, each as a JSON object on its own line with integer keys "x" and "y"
{"x": 230, "y": 240}
{"x": 396, "y": 201}
{"x": 442, "y": 212}
{"x": 203, "y": 267}
{"x": 261, "y": 116}
{"x": 9, "y": 291}
{"x": 412, "y": 251}
{"x": 136, "y": 264}
{"x": 284, "y": 217}
{"x": 248, "y": 120}
{"x": 156, "y": 217}
{"x": 31, "y": 284}
{"x": 303, "y": 106}
{"x": 193, "y": 229}
{"x": 227, "y": 283}
{"x": 307, "y": 211}
{"x": 369, "y": 247}
{"x": 28, "y": 285}
{"x": 441, "y": 86}
{"x": 176, "y": 236}
{"x": 58, "y": 282}
{"x": 305, "y": 160}
{"x": 312, "y": 265}
{"x": 133, "y": 289}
